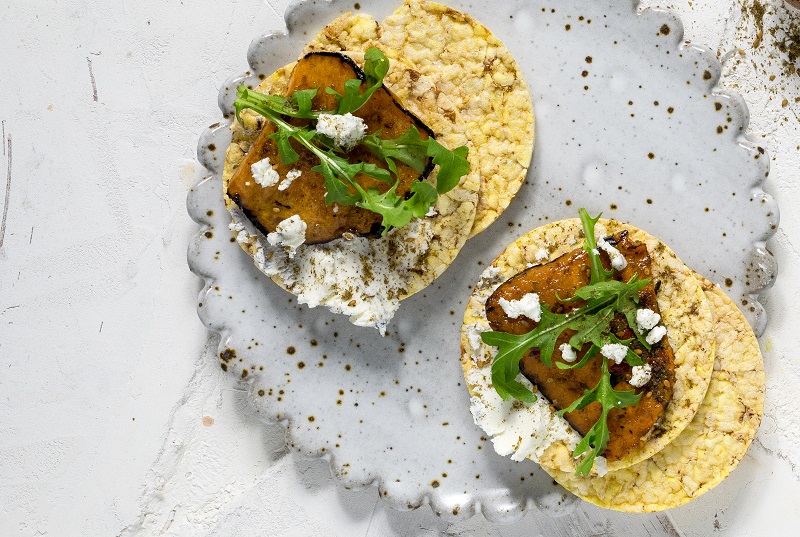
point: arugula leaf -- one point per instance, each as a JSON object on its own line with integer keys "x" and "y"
{"x": 285, "y": 150}
{"x": 596, "y": 439}
{"x": 376, "y": 65}
{"x": 593, "y": 328}
{"x": 453, "y": 165}
{"x": 408, "y": 148}
{"x": 297, "y": 105}
{"x": 626, "y": 301}
{"x": 340, "y": 174}
{"x": 303, "y": 100}
{"x": 598, "y": 273}
{"x": 395, "y": 211}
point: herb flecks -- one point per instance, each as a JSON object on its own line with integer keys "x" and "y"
{"x": 339, "y": 173}
{"x": 602, "y": 299}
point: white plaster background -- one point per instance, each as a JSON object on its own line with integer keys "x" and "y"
{"x": 115, "y": 419}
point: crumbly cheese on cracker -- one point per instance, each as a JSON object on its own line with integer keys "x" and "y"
{"x": 528, "y": 306}
{"x": 523, "y": 431}
{"x": 346, "y": 130}
{"x": 335, "y": 275}
{"x": 618, "y": 261}
{"x": 614, "y": 351}
{"x": 290, "y": 234}
{"x": 291, "y": 175}
{"x": 568, "y": 354}
{"x": 264, "y": 174}
{"x": 640, "y": 375}
{"x": 646, "y": 319}
{"x": 655, "y": 335}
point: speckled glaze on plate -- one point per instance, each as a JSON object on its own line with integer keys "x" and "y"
{"x": 628, "y": 123}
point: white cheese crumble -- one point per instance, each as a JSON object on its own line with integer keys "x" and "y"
{"x": 345, "y": 130}
{"x": 640, "y": 375}
{"x": 242, "y": 237}
{"x": 291, "y": 175}
{"x": 528, "y": 305}
{"x": 474, "y": 335}
{"x": 289, "y": 233}
{"x": 489, "y": 276}
{"x": 522, "y": 430}
{"x": 568, "y": 354}
{"x": 614, "y": 351}
{"x": 618, "y": 261}
{"x": 264, "y": 174}
{"x": 601, "y": 466}
{"x": 362, "y": 278}
{"x": 655, "y": 335}
{"x": 646, "y": 319}
{"x": 542, "y": 255}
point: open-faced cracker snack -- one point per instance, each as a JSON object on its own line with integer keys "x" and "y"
{"x": 365, "y": 277}
{"x": 535, "y": 430}
{"x": 711, "y": 446}
{"x": 472, "y": 68}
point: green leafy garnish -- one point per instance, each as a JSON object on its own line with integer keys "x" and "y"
{"x": 408, "y": 148}
{"x": 339, "y": 173}
{"x": 602, "y": 299}
{"x": 596, "y": 438}
{"x": 376, "y": 65}
{"x": 298, "y": 104}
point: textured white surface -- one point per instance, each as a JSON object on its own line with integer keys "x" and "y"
{"x": 116, "y": 419}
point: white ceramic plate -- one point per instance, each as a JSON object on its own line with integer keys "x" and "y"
{"x": 628, "y": 122}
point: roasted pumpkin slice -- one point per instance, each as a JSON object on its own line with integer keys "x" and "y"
{"x": 559, "y": 279}
{"x": 266, "y": 207}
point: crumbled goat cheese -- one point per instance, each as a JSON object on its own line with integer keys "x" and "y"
{"x": 489, "y": 276}
{"x": 489, "y": 281}
{"x": 522, "y": 430}
{"x": 431, "y": 212}
{"x": 568, "y": 354}
{"x": 345, "y": 130}
{"x": 242, "y": 237}
{"x": 474, "y": 335}
{"x": 289, "y": 233}
{"x": 656, "y": 334}
{"x": 618, "y": 261}
{"x": 640, "y": 375}
{"x": 335, "y": 208}
{"x": 291, "y": 175}
{"x": 528, "y": 305}
{"x": 541, "y": 255}
{"x": 614, "y": 351}
{"x": 264, "y": 174}
{"x": 361, "y": 278}
{"x": 601, "y": 466}
{"x": 646, "y": 319}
